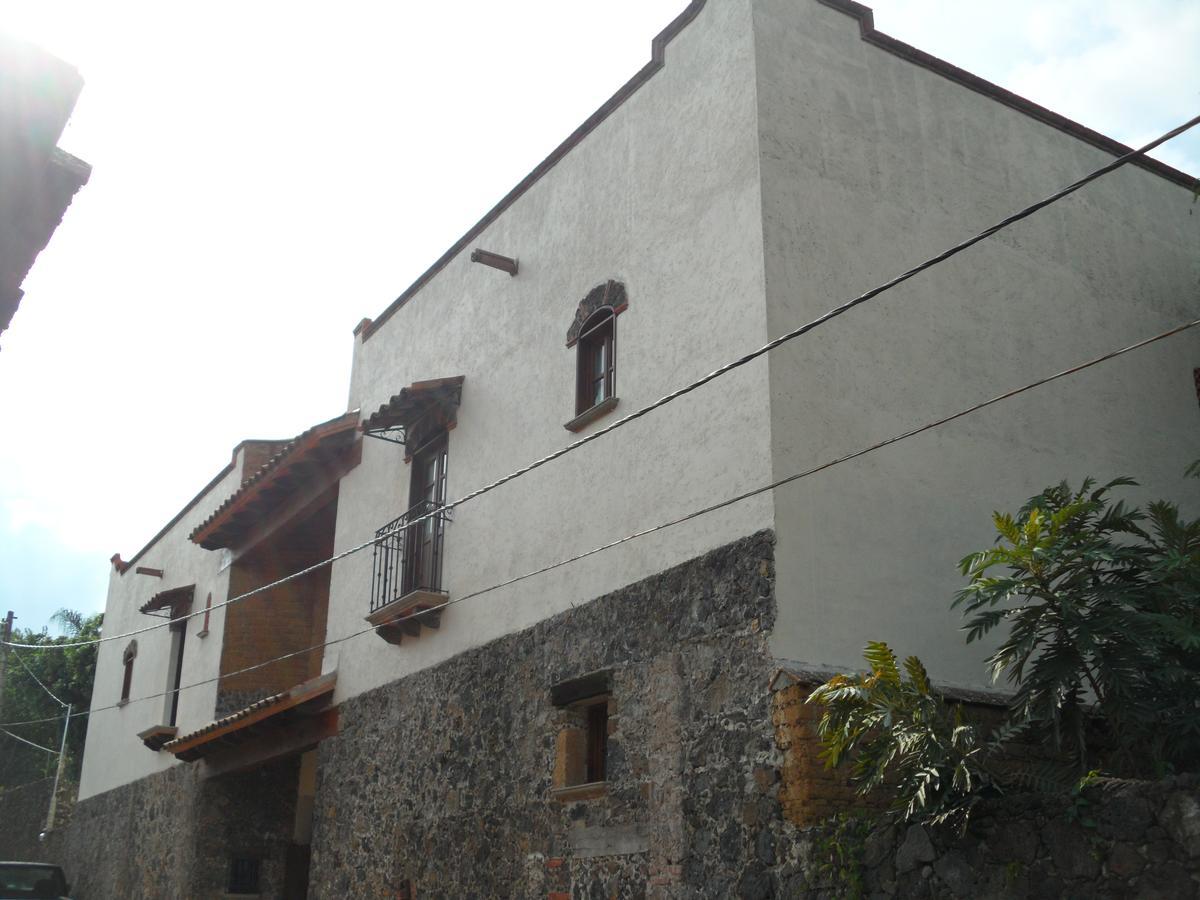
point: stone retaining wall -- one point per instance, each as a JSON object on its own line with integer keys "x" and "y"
{"x": 172, "y": 834}
{"x": 22, "y": 818}
{"x": 440, "y": 785}
{"x": 1117, "y": 839}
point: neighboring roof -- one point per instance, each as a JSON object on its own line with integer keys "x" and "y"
{"x": 788, "y": 674}
{"x": 37, "y": 180}
{"x": 301, "y": 699}
{"x": 263, "y": 490}
{"x": 180, "y": 596}
{"x": 441, "y": 395}
{"x": 367, "y": 327}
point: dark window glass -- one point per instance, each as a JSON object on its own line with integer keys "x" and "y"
{"x": 179, "y": 633}
{"x": 31, "y": 880}
{"x": 597, "y": 740}
{"x": 127, "y": 678}
{"x": 423, "y": 540}
{"x": 244, "y": 876}
{"x": 596, "y": 376}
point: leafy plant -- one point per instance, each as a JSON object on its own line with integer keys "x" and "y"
{"x": 68, "y": 674}
{"x": 840, "y": 845}
{"x": 1100, "y": 603}
{"x": 898, "y": 731}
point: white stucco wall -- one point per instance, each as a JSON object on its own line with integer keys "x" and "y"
{"x": 871, "y": 164}
{"x": 663, "y": 196}
{"x": 113, "y": 755}
{"x": 776, "y": 166}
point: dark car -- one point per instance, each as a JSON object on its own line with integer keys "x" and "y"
{"x": 25, "y": 880}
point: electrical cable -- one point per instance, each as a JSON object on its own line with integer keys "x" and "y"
{"x": 674, "y": 395}
{"x": 17, "y": 737}
{"x": 38, "y": 680}
{"x": 796, "y": 476}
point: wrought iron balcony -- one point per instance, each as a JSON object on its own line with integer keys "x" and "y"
{"x": 407, "y": 576}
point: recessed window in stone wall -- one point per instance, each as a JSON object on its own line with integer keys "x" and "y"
{"x": 244, "y": 875}
{"x": 581, "y": 746}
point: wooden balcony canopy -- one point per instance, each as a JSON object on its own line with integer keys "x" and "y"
{"x": 282, "y": 724}
{"x": 176, "y": 600}
{"x": 435, "y": 401}
{"x": 310, "y": 462}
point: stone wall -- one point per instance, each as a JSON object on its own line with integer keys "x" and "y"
{"x": 1117, "y": 839}
{"x": 440, "y": 784}
{"x": 22, "y": 818}
{"x": 172, "y": 834}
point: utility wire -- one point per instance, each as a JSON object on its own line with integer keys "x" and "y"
{"x": 17, "y": 737}
{"x": 680, "y": 520}
{"x": 674, "y": 395}
{"x": 38, "y": 680}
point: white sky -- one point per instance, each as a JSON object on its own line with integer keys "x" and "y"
{"x": 268, "y": 173}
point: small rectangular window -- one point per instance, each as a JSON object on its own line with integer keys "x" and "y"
{"x": 581, "y": 747}
{"x": 244, "y": 875}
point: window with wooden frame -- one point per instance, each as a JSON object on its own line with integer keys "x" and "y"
{"x": 427, "y": 495}
{"x": 178, "y": 632}
{"x": 127, "y": 659}
{"x": 593, "y": 334}
{"x": 581, "y": 749}
{"x": 596, "y": 370}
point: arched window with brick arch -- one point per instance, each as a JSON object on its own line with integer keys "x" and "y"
{"x": 594, "y": 335}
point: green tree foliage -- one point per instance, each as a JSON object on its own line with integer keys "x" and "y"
{"x": 1099, "y": 608}
{"x": 68, "y": 674}
{"x": 895, "y": 727}
{"x": 1100, "y": 603}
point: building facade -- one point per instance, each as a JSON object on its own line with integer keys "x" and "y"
{"x": 395, "y": 724}
{"x": 37, "y": 179}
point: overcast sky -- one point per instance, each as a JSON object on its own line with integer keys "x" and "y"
{"x": 268, "y": 173}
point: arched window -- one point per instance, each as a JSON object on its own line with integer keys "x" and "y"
{"x": 127, "y": 680}
{"x": 597, "y": 370}
{"x": 594, "y": 335}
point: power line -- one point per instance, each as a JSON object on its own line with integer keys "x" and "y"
{"x": 680, "y": 520}
{"x": 674, "y": 395}
{"x": 38, "y": 680}
{"x": 17, "y": 737}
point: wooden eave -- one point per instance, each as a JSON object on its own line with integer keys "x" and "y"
{"x": 307, "y": 699}
{"x": 156, "y": 736}
{"x": 319, "y": 456}
{"x": 439, "y": 396}
{"x": 176, "y": 599}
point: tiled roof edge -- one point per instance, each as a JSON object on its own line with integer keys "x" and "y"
{"x": 344, "y": 421}
{"x": 816, "y": 675}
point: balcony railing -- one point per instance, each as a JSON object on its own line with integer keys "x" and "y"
{"x": 408, "y": 555}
